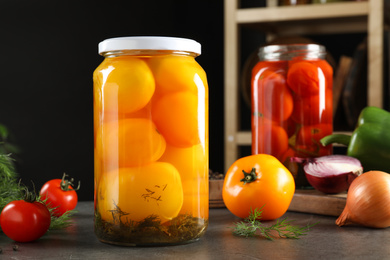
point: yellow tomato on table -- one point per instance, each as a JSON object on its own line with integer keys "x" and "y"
{"x": 258, "y": 182}
{"x": 136, "y": 193}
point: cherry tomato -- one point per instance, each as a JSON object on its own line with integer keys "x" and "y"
{"x": 258, "y": 181}
{"x": 140, "y": 192}
{"x": 25, "y": 221}
{"x": 272, "y": 97}
{"x": 60, "y": 195}
{"x": 268, "y": 138}
{"x": 303, "y": 78}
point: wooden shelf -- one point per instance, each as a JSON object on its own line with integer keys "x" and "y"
{"x": 302, "y": 12}
{"x": 347, "y": 17}
{"x": 245, "y": 137}
{"x": 341, "y": 17}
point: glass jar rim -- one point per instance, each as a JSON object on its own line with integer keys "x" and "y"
{"x": 289, "y": 51}
{"x": 149, "y": 43}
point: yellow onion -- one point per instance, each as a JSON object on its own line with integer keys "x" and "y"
{"x": 368, "y": 201}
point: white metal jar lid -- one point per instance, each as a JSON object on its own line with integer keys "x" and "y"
{"x": 149, "y": 43}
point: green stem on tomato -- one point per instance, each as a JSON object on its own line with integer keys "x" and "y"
{"x": 249, "y": 177}
{"x": 66, "y": 183}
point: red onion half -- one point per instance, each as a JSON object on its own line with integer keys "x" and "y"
{"x": 332, "y": 173}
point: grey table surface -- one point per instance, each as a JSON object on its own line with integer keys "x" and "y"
{"x": 323, "y": 241}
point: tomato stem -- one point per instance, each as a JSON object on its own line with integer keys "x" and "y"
{"x": 249, "y": 177}
{"x": 66, "y": 183}
{"x": 29, "y": 196}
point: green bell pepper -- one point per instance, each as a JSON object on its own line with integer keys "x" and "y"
{"x": 370, "y": 141}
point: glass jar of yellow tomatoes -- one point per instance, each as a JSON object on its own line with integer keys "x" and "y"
{"x": 292, "y": 103}
{"x": 151, "y": 142}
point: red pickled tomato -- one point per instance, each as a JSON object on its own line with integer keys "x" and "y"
{"x": 291, "y": 166}
{"x": 275, "y": 66}
{"x": 312, "y": 134}
{"x": 274, "y": 98}
{"x": 269, "y": 139}
{"x": 327, "y": 70}
{"x": 308, "y": 139}
{"x": 290, "y": 126}
{"x": 303, "y": 78}
{"x": 308, "y": 110}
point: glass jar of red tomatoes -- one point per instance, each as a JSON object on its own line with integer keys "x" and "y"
{"x": 151, "y": 142}
{"x": 292, "y": 102}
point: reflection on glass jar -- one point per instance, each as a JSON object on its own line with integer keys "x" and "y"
{"x": 150, "y": 142}
{"x": 291, "y": 102}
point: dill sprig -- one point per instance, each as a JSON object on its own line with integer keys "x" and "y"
{"x": 9, "y": 187}
{"x": 61, "y": 222}
{"x": 57, "y": 222}
{"x": 251, "y": 227}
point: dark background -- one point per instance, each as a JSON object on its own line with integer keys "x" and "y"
{"x": 48, "y": 55}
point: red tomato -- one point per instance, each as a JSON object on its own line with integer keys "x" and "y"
{"x": 303, "y": 78}
{"x": 291, "y": 166}
{"x": 24, "y": 221}
{"x": 258, "y": 181}
{"x": 312, "y": 134}
{"x": 272, "y": 97}
{"x": 279, "y": 66}
{"x": 60, "y": 195}
{"x": 310, "y": 111}
{"x": 327, "y": 70}
{"x": 308, "y": 140}
{"x": 290, "y": 126}
{"x": 268, "y": 138}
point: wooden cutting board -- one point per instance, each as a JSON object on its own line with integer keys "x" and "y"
{"x": 312, "y": 201}
{"x": 305, "y": 201}
{"x": 215, "y": 194}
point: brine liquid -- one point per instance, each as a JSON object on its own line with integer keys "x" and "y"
{"x": 291, "y": 109}
{"x": 151, "y": 150}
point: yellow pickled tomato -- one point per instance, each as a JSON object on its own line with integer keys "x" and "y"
{"x": 97, "y": 98}
{"x": 176, "y": 117}
{"x": 144, "y": 112}
{"x": 176, "y": 73}
{"x": 192, "y": 165}
{"x": 130, "y": 142}
{"x": 128, "y": 86}
{"x": 153, "y": 189}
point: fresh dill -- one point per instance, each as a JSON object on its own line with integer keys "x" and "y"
{"x": 252, "y": 227}
{"x": 9, "y": 187}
